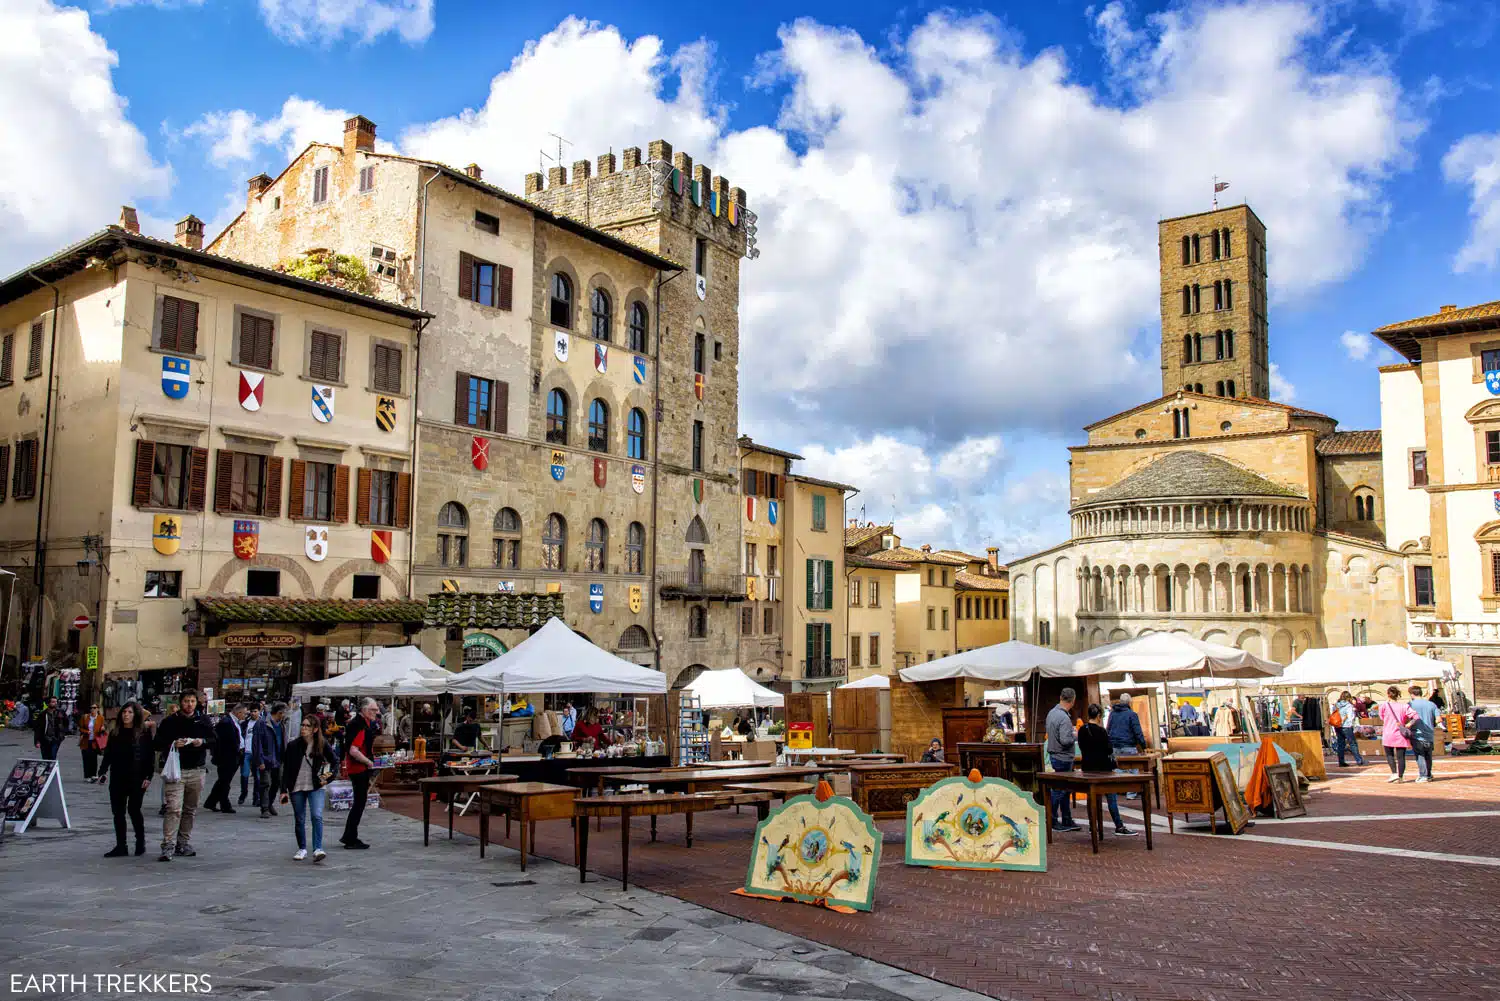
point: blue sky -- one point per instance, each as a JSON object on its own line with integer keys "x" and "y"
{"x": 957, "y": 205}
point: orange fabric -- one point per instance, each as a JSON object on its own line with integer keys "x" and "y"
{"x": 1258, "y": 789}
{"x": 836, "y": 908}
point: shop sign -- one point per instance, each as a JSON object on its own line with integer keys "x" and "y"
{"x": 262, "y": 639}
{"x": 484, "y": 640}
{"x": 91, "y": 658}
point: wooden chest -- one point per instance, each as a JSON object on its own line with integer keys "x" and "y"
{"x": 1188, "y": 782}
{"x": 883, "y": 791}
{"x": 1017, "y": 763}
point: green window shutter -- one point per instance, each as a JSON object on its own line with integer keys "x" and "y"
{"x": 810, "y": 584}
{"x": 812, "y": 635}
{"x": 828, "y": 585}
{"x": 820, "y": 512}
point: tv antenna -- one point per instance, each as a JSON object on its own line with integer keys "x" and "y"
{"x": 542, "y": 155}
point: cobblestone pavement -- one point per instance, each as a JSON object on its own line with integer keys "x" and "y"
{"x": 1327, "y": 909}
{"x": 396, "y": 922}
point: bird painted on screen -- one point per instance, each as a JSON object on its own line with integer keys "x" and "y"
{"x": 776, "y": 857}
{"x": 1020, "y": 837}
{"x": 855, "y": 865}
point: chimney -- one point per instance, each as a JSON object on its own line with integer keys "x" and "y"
{"x": 129, "y": 222}
{"x": 256, "y": 186}
{"x": 631, "y": 158}
{"x": 359, "y": 134}
{"x": 1447, "y": 309}
{"x": 994, "y": 554}
{"x": 190, "y": 233}
{"x": 533, "y": 183}
{"x": 473, "y": 171}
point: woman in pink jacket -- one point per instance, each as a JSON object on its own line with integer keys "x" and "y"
{"x": 1395, "y": 717}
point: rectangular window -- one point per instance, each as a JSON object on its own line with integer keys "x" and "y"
{"x": 874, "y": 649}
{"x": 854, "y": 592}
{"x": 943, "y": 578}
{"x": 263, "y": 583}
{"x": 507, "y": 555}
{"x": 382, "y": 262}
{"x": 771, "y": 561}
{"x": 1489, "y": 361}
{"x": 324, "y": 360}
{"x": 1197, "y": 298}
{"x": 874, "y": 594}
{"x": 490, "y": 224}
{"x": 170, "y": 476}
{"x": 23, "y": 481}
{"x": 177, "y": 327}
{"x": 1492, "y": 447}
{"x": 476, "y": 401}
{"x": 931, "y": 617}
{"x": 7, "y": 358}
{"x": 768, "y": 621}
{"x": 367, "y": 178}
{"x": 34, "y": 351}
{"x": 1228, "y": 293}
{"x": 697, "y": 446}
{"x": 317, "y": 491}
{"x": 1218, "y": 295}
{"x": 1187, "y": 254}
{"x": 1422, "y": 592}
{"x": 1419, "y": 467}
{"x": 163, "y": 584}
{"x": 387, "y": 368}
{"x": 747, "y": 621}
{"x": 366, "y": 586}
{"x": 320, "y": 185}
{"x": 382, "y": 497}
{"x": 854, "y": 660}
{"x": 247, "y": 483}
{"x": 256, "y": 336}
{"x": 700, "y": 257}
{"x": 819, "y": 513}
{"x": 750, "y": 559}
{"x": 945, "y": 618}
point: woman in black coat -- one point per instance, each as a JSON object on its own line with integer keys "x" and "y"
{"x": 129, "y": 763}
{"x": 307, "y": 766}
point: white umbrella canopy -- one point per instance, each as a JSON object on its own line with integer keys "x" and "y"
{"x": 556, "y": 659}
{"x": 873, "y": 681}
{"x": 1167, "y": 657}
{"x": 394, "y": 671}
{"x": 1354, "y": 665}
{"x": 1010, "y": 661}
{"x": 731, "y": 687}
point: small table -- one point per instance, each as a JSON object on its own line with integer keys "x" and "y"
{"x": 525, "y": 803}
{"x": 778, "y": 790}
{"x": 1146, "y": 762}
{"x": 450, "y": 787}
{"x": 628, "y": 805}
{"x": 875, "y": 758}
{"x": 591, "y": 779}
{"x": 816, "y": 754}
{"x": 1094, "y": 785}
{"x": 406, "y": 773}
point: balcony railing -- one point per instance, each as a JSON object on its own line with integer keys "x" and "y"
{"x": 827, "y": 667}
{"x": 1444, "y": 631}
{"x": 710, "y": 586}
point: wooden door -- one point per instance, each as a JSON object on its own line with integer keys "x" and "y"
{"x": 856, "y": 719}
{"x": 810, "y": 707}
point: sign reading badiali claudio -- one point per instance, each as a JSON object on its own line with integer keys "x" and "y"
{"x": 820, "y": 849}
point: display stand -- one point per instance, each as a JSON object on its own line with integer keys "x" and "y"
{"x": 33, "y": 790}
{"x": 693, "y": 737}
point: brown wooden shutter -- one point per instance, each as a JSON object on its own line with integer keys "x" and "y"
{"x": 504, "y": 278}
{"x": 31, "y": 456}
{"x": 4, "y": 470}
{"x": 198, "y": 478}
{"x": 403, "y": 500}
{"x": 499, "y": 407}
{"x": 340, "y": 493}
{"x": 461, "y": 398}
{"x": 465, "y": 276}
{"x": 361, "y": 497}
{"x": 169, "y": 321}
{"x": 145, "y": 462}
{"x": 223, "y": 479}
{"x": 270, "y": 505}
{"x": 294, "y": 507}
{"x": 187, "y": 327}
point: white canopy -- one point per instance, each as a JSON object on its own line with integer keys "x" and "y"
{"x": 1168, "y": 657}
{"x": 730, "y": 688}
{"x": 394, "y": 671}
{"x": 1353, "y": 665}
{"x": 1013, "y": 694}
{"x": 1009, "y": 661}
{"x": 556, "y": 659}
{"x": 873, "y": 681}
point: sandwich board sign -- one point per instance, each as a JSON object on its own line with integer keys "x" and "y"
{"x": 33, "y": 790}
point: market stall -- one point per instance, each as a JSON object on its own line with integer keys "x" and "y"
{"x": 731, "y": 688}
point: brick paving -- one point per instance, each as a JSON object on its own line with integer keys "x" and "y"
{"x": 1209, "y": 919}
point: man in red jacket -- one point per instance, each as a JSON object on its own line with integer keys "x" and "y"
{"x": 359, "y": 759}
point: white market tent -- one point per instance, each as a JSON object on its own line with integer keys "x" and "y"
{"x": 395, "y": 671}
{"x": 1014, "y": 694}
{"x": 1355, "y": 665}
{"x": 556, "y": 659}
{"x": 731, "y": 688}
{"x": 873, "y": 681}
{"x": 1169, "y": 657}
{"x": 1011, "y": 661}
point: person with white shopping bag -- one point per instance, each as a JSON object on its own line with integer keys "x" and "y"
{"x": 185, "y": 740}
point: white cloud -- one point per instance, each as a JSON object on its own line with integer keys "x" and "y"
{"x": 1474, "y": 161}
{"x": 323, "y": 22}
{"x": 1357, "y": 345}
{"x": 105, "y": 6}
{"x": 234, "y": 136}
{"x": 69, "y": 155}
{"x": 1282, "y": 391}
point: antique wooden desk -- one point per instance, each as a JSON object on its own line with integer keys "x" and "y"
{"x": 707, "y": 779}
{"x": 525, "y": 803}
{"x": 1203, "y": 782}
{"x": 629, "y": 805}
{"x": 883, "y": 791}
{"x": 874, "y": 758}
{"x": 778, "y": 790}
{"x": 591, "y": 778}
{"x": 449, "y": 788}
{"x": 1095, "y": 785}
{"x": 400, "y": 776}
{"x": 1016, "y": 763}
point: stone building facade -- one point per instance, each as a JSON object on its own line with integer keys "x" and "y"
{"x": 1222, "y": 516}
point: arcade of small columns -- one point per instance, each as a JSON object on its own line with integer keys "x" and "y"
{"x": 1225, "y": 588}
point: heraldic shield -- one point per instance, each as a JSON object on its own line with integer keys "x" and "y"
{"x": 166, "y": 533}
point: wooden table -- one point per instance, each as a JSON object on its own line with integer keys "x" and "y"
{"x": 450, "y": 787}
{"x": 1146, "y": 761}
{"x": 705, "y": 779}
{"x": 1094, "y": 785}
{"x": 591, "y": 779}
{"x": 525, "y": 803}
{"x": 883, "y": 791}
{"x": 405, "y": 774}
{"x": 817, "y": 753}
{"x": 875, "y": 758}
{"x": 736, "y": 764}
{"x": 628, "y": 805}
{"x": 778, "y": 790}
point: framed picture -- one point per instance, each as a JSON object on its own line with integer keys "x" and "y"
{"x": 1286, "y": 798}
{"x": 1235, "y": 812}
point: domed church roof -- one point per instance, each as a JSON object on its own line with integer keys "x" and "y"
{"x": 1189, "y": 474}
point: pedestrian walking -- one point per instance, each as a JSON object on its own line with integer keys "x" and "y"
{"x": 1062, "y": 737}
{"x": 192, "y": 737}
{"x": 359, "y": 759}
{"x": 49, "y": 728}
{"x": 226, "y": 758}
{"x": 1125, "y": 733}
{"x": 129, "y": 761}
{"x": 1098, "y": 755}
{"x": 92, "y": 737}
{"x": 1343, "y": 719}
{"x": 308, "y": 767}
{"x": 1395, "y": 737}
{"x": 270, "y": 741}
{"x": 247, "y": 745}
{"x": 1423, "y": 731}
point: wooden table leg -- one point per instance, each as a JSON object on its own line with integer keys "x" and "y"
{"x": 533, "y": 841}
{"x": 653, "y": 827}
{"x": 689, "y": 816}
{"x": 1146, "y": 809}
{"x": 599, "y": 791}
{"x": 426, "y": 815}
{"x": 763, "y": 809}
{"x": 484, "y": 823}
{"x": 581, "y": 848}
{"x": 1092, "y": 798}
{"x": 625, "y": 847}
{"x": 1156, "y": 786}
{"x": 1047, "y": 809}
{"x": 524, "y": 845}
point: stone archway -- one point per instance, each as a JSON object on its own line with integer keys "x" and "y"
{"x": 349, "y": 568}
{"x": 262, "y": 561}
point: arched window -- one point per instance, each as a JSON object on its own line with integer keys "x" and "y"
{"x": 562, "y": 301}
{"x": 1218, "y": 344}
{"x": 599, "y": 426}
{"x": 601, "y": 312}
{"x": 635, "y": 434}
{"x": 698, "y": 353}
{"x": 1230, "y": 386}
{"x": 1364, "y": 506}
{"x": 697, "y": 533}
{"x": 697, "y": 623}
{"x": 1219, "y": 388}
{"x": 635, "y": 548}
{"x": 1187, "y": 348}
{"x": 554, "y": 542}
{"x": 1214, "y": 244}
{"x": 697, "y": 540}
{"x": 453, "y": 535}
{"x": 634, "y": 638}
{"x": 638, "y": 338}
{"x": 507, "y": 539}
{"x": 596, "y": 546}
{"x": 1224, "y": 243}
{"x": 1197, "y": 347}
{"x": 1229, "y": 343}
{"x": 557, "y": 417}
{"x": 1197, "y": 387}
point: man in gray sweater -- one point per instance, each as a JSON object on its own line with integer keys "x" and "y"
{"x": 1062, "y": 736}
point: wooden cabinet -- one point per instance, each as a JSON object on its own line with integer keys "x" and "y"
{"x": 962, "y": 725}
{"x": 1015, "y": 763}
{"x": 883, "y": 791}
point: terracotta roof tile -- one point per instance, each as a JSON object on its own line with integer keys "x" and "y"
{"x": 908, "y": 555}
{"x": 1350, "y": 443}
{"x": 233, "y": 608}
{"x": 872, "y": 562}
{"x": 967, "y": 557}
{"x": 476, "y": 610}
{"x": 1443, "y": 318}
{"x": 1189, "y": 474}
{"x": 864, "y": 533}
{"x": 979, "y": 582}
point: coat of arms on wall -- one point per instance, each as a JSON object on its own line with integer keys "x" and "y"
{"x": 559, "y": 469}
{"x": 176, "y": 376}
{"x": 322, "y": 404}
{"x": 385, "y": 413}
{"x": 246, "y": 539}
{"x": 975, "y": 823}
{"x": 479, "y": 452}
{"x": 315, "y": 542}
{"x": 252, "y": 390}
{"x": 380, "y": 545}
{"x": 166, "y": 533}
{"x": 819, "y": 849}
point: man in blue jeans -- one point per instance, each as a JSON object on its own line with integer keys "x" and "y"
{"x": 1125, "y": 733}
{"x": 1062, "y": 737}
{"x": 1423, "y": 732}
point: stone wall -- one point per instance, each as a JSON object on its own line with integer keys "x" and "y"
{"x": 1287, "y": 459}
{"x": 1342, "y": 477}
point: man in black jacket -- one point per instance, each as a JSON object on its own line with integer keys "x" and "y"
{"x": 226, "y": 757}
{"x": 193, "y": 739}
{"x": 49, "y": 729}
